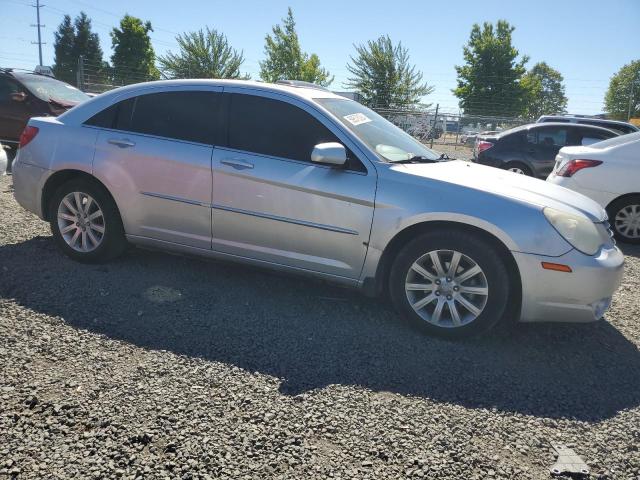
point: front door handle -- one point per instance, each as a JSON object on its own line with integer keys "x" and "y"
{"x": 121, "y": 142}
{"x": 237, "y": 164}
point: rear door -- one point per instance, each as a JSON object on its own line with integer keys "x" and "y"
{"x": 271, "y": 203}
{"x": 156, "y": 159}
{"x": 543, "y": 144}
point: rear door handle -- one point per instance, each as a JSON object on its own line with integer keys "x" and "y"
{"x": 237, "y": 164}
{"x": 121, "y": 142}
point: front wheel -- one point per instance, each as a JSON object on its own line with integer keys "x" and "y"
{"x": 450, "y": 283}
{"x": 624, "y": 216}
{"x": 86, "y": 223}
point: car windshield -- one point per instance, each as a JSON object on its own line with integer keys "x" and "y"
{"x": 383, "y": 137}
{"x": 52, "y": 90}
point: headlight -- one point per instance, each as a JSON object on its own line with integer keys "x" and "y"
{"x": 578, "y": 231}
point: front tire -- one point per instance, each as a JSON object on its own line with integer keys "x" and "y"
{"x": 450, "y": 283}
{"x": 624, "y": 217}
{"x": 85, "y": 222}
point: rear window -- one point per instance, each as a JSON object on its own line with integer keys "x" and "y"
{"x": 52, "y": 90}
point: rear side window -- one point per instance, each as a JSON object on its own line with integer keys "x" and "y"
{"x": 548, "y": 137}
{"x": 274, "y": 128}
{"x": 186, "y": 115}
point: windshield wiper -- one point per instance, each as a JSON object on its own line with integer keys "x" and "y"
{"x": 417, "y": 159}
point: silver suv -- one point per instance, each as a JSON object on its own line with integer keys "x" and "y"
{"x": 302, "y": 180}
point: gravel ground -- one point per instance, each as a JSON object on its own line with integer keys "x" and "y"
{"x": 160, "y": 366}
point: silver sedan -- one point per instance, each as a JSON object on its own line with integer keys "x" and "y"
{"x": 296, "y": 178}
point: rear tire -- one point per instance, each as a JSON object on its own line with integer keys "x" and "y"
{"x": 469, "y": 294}
{"x": 517, "y": 167}
{"x": 624, "y": 217}
{"x": 85, "y": 222}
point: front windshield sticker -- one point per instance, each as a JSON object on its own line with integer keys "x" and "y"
{"x": 357, "y": 118}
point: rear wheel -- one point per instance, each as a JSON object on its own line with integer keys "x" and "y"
{"x": 85, "y": 222}
{"x": 624, "y": 216}
{"x": 519, "y": 168}
{"x": 450, "y": 283}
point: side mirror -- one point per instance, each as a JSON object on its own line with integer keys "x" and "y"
{"x": 18, "y": 96}
{"x": 330, "y": 153}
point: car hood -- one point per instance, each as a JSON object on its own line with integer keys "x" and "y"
{"x": 508, "y": 185}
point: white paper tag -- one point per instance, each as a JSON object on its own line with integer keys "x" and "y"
{"x": 357, "y": 118}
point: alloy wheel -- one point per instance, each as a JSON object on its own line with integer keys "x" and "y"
{"x": 81, "y": 222}
{"x": 517, "y": 170}
{"x": 627, "y": 221}
{"x": 447, "y": 288}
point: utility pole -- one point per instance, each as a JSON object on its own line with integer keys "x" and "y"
{"x": 633, "y": 81}
{"x": 435, "y": 125}
{"x": 37, "y": 6}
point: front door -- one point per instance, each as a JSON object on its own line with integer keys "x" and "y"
{"x": 271, "y": 203}
{"x": 157, "y": 161}
{"x": 545, "y": 143}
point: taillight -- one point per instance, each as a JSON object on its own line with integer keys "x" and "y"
{"x": 573, "y": 166}
{"x": 27, "y": 135}
{"x": 482, "y": 146}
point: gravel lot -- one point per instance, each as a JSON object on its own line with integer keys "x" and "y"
{"x": 160, "y": 366}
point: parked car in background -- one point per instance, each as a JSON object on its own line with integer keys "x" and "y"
{"x": 27, "y": 94}
{"x": 303, "y": 180}
{"x": 531, "y": 149}
{"x": 4, "y": 162}
{"x": 620, "y": 127}
{"x": 609, "y": 173}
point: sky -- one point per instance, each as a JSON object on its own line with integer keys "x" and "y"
{"x": 586, "y": 40}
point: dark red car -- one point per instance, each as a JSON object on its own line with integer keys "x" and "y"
{"x": 26, "y": 94}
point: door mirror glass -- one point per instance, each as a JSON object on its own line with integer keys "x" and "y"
{"x": 18, "y": 96}
{"x": 330, "y": 153}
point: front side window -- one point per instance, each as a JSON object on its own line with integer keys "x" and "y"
{"x": 388, "y": 141}
{"x": 274, "y": 128}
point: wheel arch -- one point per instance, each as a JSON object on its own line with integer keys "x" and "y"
{"x": 621, "y": 197}
{"x": 376, "y": 286}
{"x": 61, "y": 177}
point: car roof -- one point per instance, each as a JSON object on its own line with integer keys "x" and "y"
{"x": 533, "y": 126}
{"x": 583, "y": 119}
{"x": 98, "y": 103}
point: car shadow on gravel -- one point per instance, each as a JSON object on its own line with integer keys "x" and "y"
{"x": 630, "y": 250}
{"x": 311, "y": 335}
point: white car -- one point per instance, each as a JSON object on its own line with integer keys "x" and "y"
{"x": 609, "y": 173}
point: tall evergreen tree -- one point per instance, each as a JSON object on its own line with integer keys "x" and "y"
{"x": 64, "y": 66}
{"x": 382, "y": 74}
{"x": 133, "y": 58}
{"x": 285, "y": 59}
{"x": 490, "y": 81}
{"x": 544, "y": 91}
{"x": 71, "y": 42}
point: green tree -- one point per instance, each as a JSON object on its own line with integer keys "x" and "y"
{"x": 202, "y": 55}
{"x": 87, "y": 44}
{"x": 73, "y": 41}
{"x": 544, "y": 91}
{"x": 64, "y": 64}
{"x": 382, "y": 74}
{"x": 490, "y": 81}
{"x": 624, "y": 91}
{"x": 133, "y": 58}
{"x": 285, "y": 59}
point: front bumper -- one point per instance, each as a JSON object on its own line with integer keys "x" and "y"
{"x": 580, "y": 296}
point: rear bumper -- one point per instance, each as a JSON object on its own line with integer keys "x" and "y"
{"x": 603, "y": 198}
{"x": 28, "y": 181}
{"x": 581, "y": 296}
